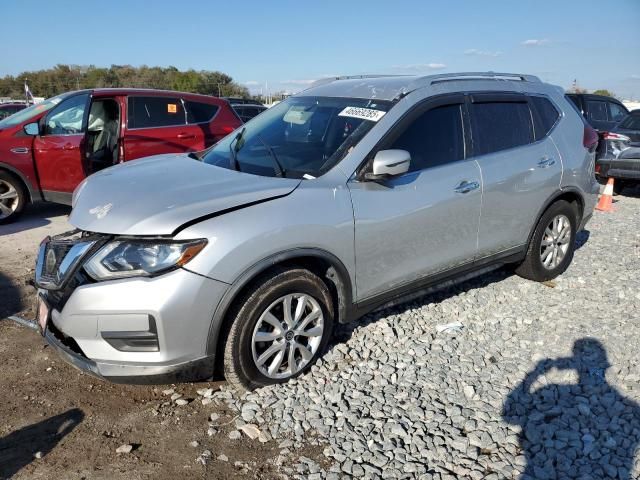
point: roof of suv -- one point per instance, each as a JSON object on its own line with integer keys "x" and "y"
{"x": 391, "y": 87}
{"x": 145, "y": 91}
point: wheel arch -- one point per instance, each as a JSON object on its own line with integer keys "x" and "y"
{"x": 571, "y": 195}
{"x": 324, "y": 264}
{"x": 33, "y": 193}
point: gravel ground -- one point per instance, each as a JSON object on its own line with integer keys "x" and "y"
{"x": 536, "y": 380}
{"x": 491, "y": 378}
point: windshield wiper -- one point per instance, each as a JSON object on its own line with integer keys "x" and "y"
{"x": 233, "y": 149}
{"x": 277, "y": 166}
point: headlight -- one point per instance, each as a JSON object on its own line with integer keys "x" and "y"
{"x": 131, "y": 258}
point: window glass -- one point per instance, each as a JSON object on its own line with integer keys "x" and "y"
{"x": 632, "y": 122}
{"x": 616, "y": 112}
{"x": 545, "y": 116}
{"x": 436, "y": 137}
{"x": 198, "y": 112}
{"x": 149, "y": 112}
{"x": 597, "y": 110}
{"x": 302, "y": 136}
{"x": 66, "y": 118}
{"x": 32, "y": 111}
{"x": 500, "y": 125}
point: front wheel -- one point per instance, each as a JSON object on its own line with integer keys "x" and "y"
{"x": 12, "y": 198}
{"x": 553, "y": 243}
{"x": 279, "y": 329}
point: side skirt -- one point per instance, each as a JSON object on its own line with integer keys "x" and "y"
{"x": 436, "y": 281}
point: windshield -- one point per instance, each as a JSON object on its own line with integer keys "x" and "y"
{"x": 24, "y": 115}
{"x": 301, "y": 137}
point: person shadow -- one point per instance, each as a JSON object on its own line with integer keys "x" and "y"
{"x": 587, "y": 430}
{"x": 18, "y": 449}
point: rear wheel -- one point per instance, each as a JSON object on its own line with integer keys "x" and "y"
{"x": 553, "y": 243}
{"x": 12, "y": 197}
{"x": 279, "y": 329}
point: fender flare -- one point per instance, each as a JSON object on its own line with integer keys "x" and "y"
{"x": 340, "y": 278}
{"x": 552, "y": 198}
{"x": 34, "y": 193}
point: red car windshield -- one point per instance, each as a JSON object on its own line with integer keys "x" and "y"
{"x": 24, "y": 115}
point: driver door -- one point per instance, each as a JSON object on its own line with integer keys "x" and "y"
{"x": 58, "y": 149}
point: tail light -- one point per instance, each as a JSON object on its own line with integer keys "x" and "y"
{"x": 590, "y": 138}
{"x": 226, "y": 129}
{"x": 615, "y": 136}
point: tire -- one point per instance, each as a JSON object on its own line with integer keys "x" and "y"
{"x": 11, "y": 207}
{"x": 250, "y": 363}
{"x": 533, "y": 267}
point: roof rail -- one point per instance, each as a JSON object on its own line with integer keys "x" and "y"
{"x": 324, "y": 81}
{"x": 449, "y": 77}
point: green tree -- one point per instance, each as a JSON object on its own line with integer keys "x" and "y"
{"x": 63, "y": 78}
{"x": 605, "y": 92}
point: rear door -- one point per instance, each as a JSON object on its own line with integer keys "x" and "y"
{"x": 598, "y": 114}
{"x": 59, "y": 149}
{"x": 158, "y": 124}
{"x": 520, "y": 167}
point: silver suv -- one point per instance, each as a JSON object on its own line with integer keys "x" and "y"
{"x": 351, "y": 194}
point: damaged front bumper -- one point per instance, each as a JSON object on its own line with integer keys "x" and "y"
{"x": 133, "y": 330}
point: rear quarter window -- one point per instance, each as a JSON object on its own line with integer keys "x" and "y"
{"x": 151, "y": 112}
{"x": 500, "y": 125}
{"x": 198, "y": 112}
{"x": 545, "y": 116}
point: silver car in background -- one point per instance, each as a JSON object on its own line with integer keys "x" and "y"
{"x": 353, "y": 193}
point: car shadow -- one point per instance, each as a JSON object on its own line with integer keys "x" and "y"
{"x": 583, "y": 430}
{"x": 36, "y": 215}
{"x": 10, "y": 298}
{"x": 582, "y": 237}
{"x": 18, "y": 449}
{"x": 437, "y": 294}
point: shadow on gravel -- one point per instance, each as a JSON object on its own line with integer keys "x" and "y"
{"x": 35, "y": 216}
{"x": 587, "y": 430}
{"x": 18, "y": 449}
{"x": 10, "y": 299}
{"x": 582, "y": 237}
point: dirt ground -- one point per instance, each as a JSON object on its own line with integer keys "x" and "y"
{"x": 75, "y": 422}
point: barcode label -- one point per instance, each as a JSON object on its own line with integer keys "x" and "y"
{"x": 363, "y": 113}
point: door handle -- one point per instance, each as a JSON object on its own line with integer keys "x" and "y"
{"x": 185, "y": 135}
{"x": 546, "y": 162}
{"x": 466, "y": 187}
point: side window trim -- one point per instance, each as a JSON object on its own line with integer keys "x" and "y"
{"x": 85, "y": 117}
{"x": 414, "y": 112}
{"x": 129, "y": 128}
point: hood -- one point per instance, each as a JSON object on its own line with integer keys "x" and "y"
{"x": 157, "y": 195}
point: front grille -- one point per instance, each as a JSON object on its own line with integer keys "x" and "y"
{"x": 54, "y": 253}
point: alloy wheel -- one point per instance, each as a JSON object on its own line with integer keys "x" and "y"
{"x": 287, "y": 335}
{"x": 555, "y": 242}
{"x": 9, "y": 199}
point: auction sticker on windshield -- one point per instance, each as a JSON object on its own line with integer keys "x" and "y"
{"x": 362, "y": 113}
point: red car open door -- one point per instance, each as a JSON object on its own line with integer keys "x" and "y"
{"x": 59, "y": 148}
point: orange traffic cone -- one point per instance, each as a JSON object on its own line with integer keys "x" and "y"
{"x": 606, "y": 199}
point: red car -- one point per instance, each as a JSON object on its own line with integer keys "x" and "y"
{"x": 46, "y": 150}
{"x": 10, "y": 108}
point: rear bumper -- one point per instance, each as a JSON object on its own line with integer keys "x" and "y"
{"x": 621, "y": 167}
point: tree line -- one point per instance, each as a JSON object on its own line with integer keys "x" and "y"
{"x": 63, "y": 78}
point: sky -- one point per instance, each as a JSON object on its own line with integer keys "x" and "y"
{"x": 285, "y": 45}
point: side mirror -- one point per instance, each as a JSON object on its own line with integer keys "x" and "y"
{"x": 31, "y": 129}
{"x": 389, "y": 163}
